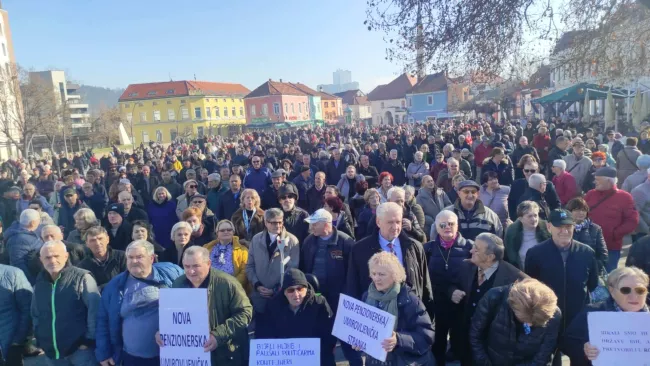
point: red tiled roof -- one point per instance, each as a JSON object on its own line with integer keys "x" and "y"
{"x": 430, "y": 83}
{"x": 305, "y": 89}
{"x": 181, "y": 88}
{"x": 396, "y": 89}
{"x": 353, "y": 97}
{"x": 275, "y": 88}
{"x": 327, "y": 96}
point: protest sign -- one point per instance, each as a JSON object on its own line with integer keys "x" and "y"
{"x": 621, "y": 337}
{"x": 364, "y": 326}
{"x": 184, "y": 326}
{"x": 279, "y": 352}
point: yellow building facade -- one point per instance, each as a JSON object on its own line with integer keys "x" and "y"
{"x": 161, "y": 112}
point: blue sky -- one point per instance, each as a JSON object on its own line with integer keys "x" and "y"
{"x": 113, "y": 43}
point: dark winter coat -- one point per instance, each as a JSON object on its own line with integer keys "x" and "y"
{"x": 15, "y": 302}
{"x": 572, "y": 282}
{"x": 592, "y": 235}
{"x": 314, "y": 319}
{"x": 415, "y": 264}
{"x": 515, "y": 236}
{"x": 639, "y": 255}
{"x": 519, "y": 188}
{"x": 497, "y": 337}
{"x": 333, "y": 172}
{"x": 338, "y": 255}
{"x": 123, "y": 236}
{"x": 446, "y": 275}
{"x": 163, "y": 216}
{"x": 414, "y": 330}
{"x": 228, "y": 204}
{"x": 255, "y": 226}
{"x": 103, "y": 272}
{"x": 504, "y": 170}
{"x": 397, "y": 170}
{"x": 315, "y": 198}
{"x": 294, "y": 222}
{"x": 66, "y": 216}
{"x": 22, "y": 245}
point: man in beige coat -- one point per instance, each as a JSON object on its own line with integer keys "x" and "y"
{"x": 271, "y": 253}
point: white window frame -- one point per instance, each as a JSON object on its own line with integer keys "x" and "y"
{"x": 253, "y": 111}
{"x": 156, "y": 116}
{"x": 216, "y": 112}
{"x": 185, "y": 114}
{"x": 265, "y": 109}
{"x": 143, "y": 116}
{"x": 276, "y": 109}
{"x": 208, "y": 112}
{"x": 197, "y": 113}
{"x": 234, "y": 112}
{"x": 171, "y": 115}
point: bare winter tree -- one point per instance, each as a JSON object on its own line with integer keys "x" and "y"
{"x": 105, "y": 126}
{"x": 28, "y": 107}
{"x": 483, "y": 36}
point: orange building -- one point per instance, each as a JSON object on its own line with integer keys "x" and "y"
{"x": 332, "y": 107}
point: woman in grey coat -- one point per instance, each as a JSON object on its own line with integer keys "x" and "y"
{"x": 416, "y": 170}
{"x": 640, "y": 176}
{"x": 432, "y": 200}
{"x": 495, "y": 196}
{"x": 626, "y": 160}
{"x": 348, "y": 190}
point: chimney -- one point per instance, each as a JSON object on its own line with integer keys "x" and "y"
{"x": 280, "y": 79}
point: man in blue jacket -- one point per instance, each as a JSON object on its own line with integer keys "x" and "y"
{"x": 23, "y": 242}
{"x": 15, "y": 302}
{"x": 567, "y": 266}
{"x": 257, "y": 177}
{"x": 127, "y": 320}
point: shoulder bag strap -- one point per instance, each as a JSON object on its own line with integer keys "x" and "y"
{"x": 630, "y": 160}
{"x": 602, "y": 200}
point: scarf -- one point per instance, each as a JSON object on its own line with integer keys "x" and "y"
{"x": 447, "y": 244}
{"x": 617, "y": 308}
{"x": 386, "y": 301}
{"x": 583, "y": 225}
{"x": 247, "y": 220}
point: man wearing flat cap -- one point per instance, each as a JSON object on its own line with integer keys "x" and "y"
{"x": 474, "y": 217}
{"x": 119, "y": 230}
{"x": 613, "y": 209}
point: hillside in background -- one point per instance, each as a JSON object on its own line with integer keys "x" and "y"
{"x": 98, "y": 97}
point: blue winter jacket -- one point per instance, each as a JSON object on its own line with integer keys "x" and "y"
{"x": 108, "y": 331}
{"x": 15, "y": 302}
{"x": 258, "y": 179}
{"x": 21, "y": 245}
{"x": 23, "y": 204}
{"x": 163, "y": 215}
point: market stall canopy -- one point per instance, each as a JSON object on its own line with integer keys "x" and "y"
{"x": 576, "y": 93}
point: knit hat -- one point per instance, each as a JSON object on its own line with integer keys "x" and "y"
{"x": 606, "y": 171}
{"x": 643, "y": 162}
{"x": 294, "y": 277}
{"x": 118, "y": 208}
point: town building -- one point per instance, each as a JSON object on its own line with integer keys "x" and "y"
{"x": 7, "y": 61}
{"x": 332, "y": 108}
{"x": 432, "y": 97}
{"x": 277, "y": 104}
{"x": 388, "y": 102}
{"x": 358, "y": 103}
{"x": 315, "y": 110}
{"x": 342, "y": 81}
{"x": 163, "y": 111}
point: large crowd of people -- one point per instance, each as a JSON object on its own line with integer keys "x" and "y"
{"x": 489, "y": 241}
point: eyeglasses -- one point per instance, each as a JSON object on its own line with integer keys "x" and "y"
{"x": 284, "y": 197}
{"x": 637, "y": 290}
{"x": 530, "y": 170}
{"x": 226, "y": 230}
{"x": 443, "y": 225}
{"x": 197, "y": 202}
{"x": 69, "y": 195}
{"x": 192, "y": 186}
{"x": 275, "y": 222}
{"x": 291, "y": 290}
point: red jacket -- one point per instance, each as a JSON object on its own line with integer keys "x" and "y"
{"x": 481, "y": 153}
{"x": 542, "y": 143}
{"x": 615, "y": 213}
{"x": 565, "y": 185}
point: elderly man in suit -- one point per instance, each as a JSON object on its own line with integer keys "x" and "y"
{"x": 486, "y": 269}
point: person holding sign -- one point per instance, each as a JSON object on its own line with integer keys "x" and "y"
{"x": 299, "y": 313}
{"x": 628, "y": 287}
{"x": 413, "y": 335}
{"x": 516, "y": 325}
{"x": 229, "y": 309}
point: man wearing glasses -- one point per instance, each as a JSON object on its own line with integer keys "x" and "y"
{"x": 257, "y": 177}
{"x": 271, "y": 253}
{"x": 183, "y": 201}
{"x": 520, "y": 186}
{"x": 473, "y": 216}
{"x": 294, "y": 216}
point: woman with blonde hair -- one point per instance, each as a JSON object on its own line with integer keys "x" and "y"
{"x": 516, "y": 325}
{"x": 227, "y": 254}
{"x": 248, "y": 220}
{"x": 628, "y": 288}
{"x": 84, "y": 219}
{"x": 389, "y": 292}
{"x": 162, "y": 212}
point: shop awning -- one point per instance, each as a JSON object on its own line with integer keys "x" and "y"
{"x": 576, "y": 93}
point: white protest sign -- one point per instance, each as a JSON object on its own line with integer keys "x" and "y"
{"x": 279, "y": 352}
{"x": 621, "y": 337}
{"x": 364, "y": 326}
{"x": 184, "y": 326}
